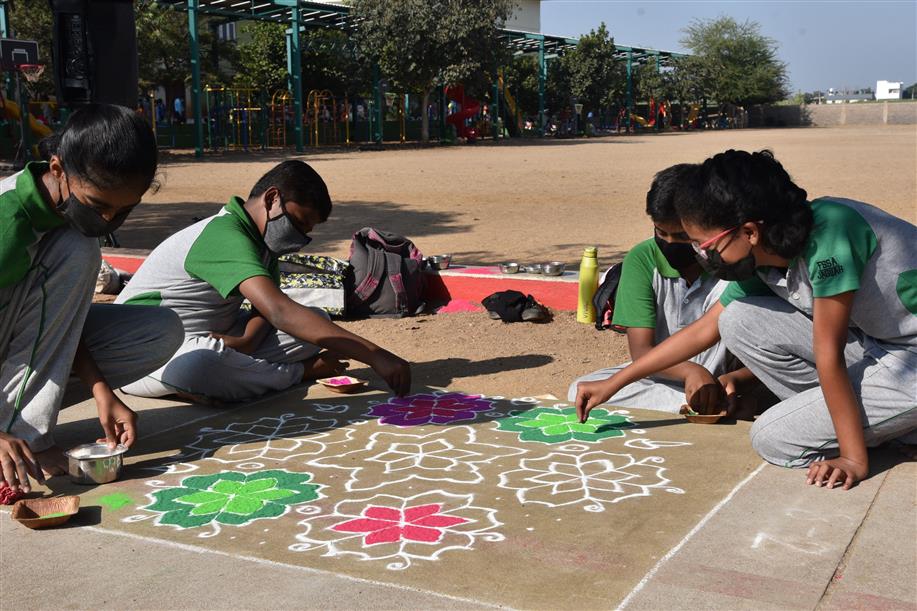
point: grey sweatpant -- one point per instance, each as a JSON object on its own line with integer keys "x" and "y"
{"x": 42, "y": 318}
{"x": 204, "y": 366}
{"x": 649, "y": 393}
{"x": 774, "y": 340}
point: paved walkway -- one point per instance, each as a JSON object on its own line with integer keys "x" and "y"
{"x": 771, "y": 543}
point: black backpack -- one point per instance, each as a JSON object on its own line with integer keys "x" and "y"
{"x": 387, "y": 278}
{"x": 604, "y": 300}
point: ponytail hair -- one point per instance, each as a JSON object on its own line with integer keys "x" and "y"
{"x": 106, "y": 145}
{"x": 736, "y": 187}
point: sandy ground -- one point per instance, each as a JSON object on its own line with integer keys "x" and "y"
{"x": 529, "y": 201}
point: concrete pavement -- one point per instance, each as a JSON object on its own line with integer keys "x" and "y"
{"x": 773, "y": 543}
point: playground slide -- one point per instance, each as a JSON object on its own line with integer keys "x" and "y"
{"x": 470, "y": 108}
{"x": 640, "y": 120}
{"x": 692, "y": 116}
{"x": 514, "y": 118}
{"x": 12, "y": 112}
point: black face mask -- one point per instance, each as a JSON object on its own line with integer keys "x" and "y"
{"x": 743, "y": 269}
{"x": 680, "y": 255}
{"x": 86, "y": 220}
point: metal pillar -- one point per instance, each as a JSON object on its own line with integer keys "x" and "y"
{"x": 294, "y": 69}
{"x": 542, "y": 77}
{"x": 380, "y": 108}
{"x": 4, "y": 33}
{"x": 193, "y": 6}
{"x": 495, "y": 112}
{"x": 629, "y": 102}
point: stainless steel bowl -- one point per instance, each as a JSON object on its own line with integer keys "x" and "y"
{"x": 440, "y": 261}
{"x": 94, "y": 463}
{"x": 532, "y": 269}
{"x": 510, "y": 267}
{"x": 554, "y": 268}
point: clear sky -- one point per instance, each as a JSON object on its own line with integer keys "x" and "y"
{"x": 838, "y": 44}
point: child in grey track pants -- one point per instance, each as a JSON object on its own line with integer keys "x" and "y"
{"x": 51, "y": 215}
{"x": 821, "y": 308}
{"x": 47, "y": 313}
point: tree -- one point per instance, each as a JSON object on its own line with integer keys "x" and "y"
{"x": 328, "y": 60}
{"x": 262, "y": 56}
{"x": 420, "y": 44}
{"x": 164, "y": 48}
{"x": 521, "y": 79}
{"x": 597, "y": 79}
{"x": 736, "y": 63}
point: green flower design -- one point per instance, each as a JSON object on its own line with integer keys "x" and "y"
{"x": 558, "y": 425}
{"x": 232, "y": 497}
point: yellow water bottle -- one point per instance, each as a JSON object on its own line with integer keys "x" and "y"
{"x": 588, "y": 285}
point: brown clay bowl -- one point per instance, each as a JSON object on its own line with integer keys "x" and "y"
{"x": 342, "y": 384}
{"x": 47, "y": 512}
{"x": 692, "y": 416}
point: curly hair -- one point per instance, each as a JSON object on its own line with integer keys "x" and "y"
{"x": 736, "y": 187}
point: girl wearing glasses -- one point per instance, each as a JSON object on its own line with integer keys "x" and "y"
{"x": 822, "y": 309}
{"x": 662, "y": 290}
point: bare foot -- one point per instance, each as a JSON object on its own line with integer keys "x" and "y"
{"x": 324, "y": 365}
{"x": 52, "y": 461}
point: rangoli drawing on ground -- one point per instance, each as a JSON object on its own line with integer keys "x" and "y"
{"x": 433, "y": 408}
{"x": 252, "y": 445}
{"x": 592, "y": 479}
{"x": 231, "y": 498}
{"x": 448, "y": 455}
{"x": 560, "y": 424}
{"x": 398, "y": 529}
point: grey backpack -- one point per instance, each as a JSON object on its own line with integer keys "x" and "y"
{"x": 387, "y": 275}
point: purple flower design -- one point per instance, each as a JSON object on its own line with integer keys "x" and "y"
{"x": 444, "y": 408}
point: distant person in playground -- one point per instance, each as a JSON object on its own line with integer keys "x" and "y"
{"x": 178, "y": 107}
{"x": 51, "y": 216}
{"x": 822, "y": 308}
{"x": 204, "y": 272}
{"x": 662, "y": 290}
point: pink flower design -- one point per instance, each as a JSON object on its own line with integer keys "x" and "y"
{"x": 430, "y": 409}
{"x": 389, "y": 525}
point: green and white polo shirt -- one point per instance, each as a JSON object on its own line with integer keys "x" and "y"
{"x": 197, "y": 271}
{"x": 853, "y": 247}
{"x": 25, "y": 217}
{"x": 653, "y": 295}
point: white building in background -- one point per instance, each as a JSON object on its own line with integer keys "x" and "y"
{"x": 527, "y": 16}
{"x": 888, "y": 90}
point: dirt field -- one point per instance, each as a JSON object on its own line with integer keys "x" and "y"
{"x": 528, "y": 201}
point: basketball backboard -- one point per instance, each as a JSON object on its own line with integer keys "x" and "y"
{"x": 14, "y": 53}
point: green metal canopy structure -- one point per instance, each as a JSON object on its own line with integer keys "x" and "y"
{"x": 307, "y": 14}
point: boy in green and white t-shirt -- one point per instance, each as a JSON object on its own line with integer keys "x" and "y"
{"x": 204, "y": 272}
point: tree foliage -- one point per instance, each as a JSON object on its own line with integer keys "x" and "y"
{"x": 735, "y": 62}
{"x": 328, "y": 60}
{"x": 521, "y": 78}
{"x": 262, "y": 59}
{"x": 420, "y": 44}
{"x": 164, "y": 48}
{"x": 597, "y": 79}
